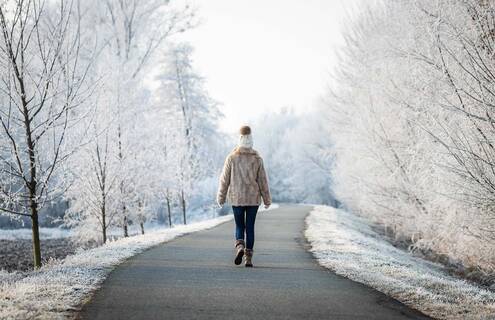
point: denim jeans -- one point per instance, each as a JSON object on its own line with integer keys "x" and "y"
{"x": 245, "y": 217}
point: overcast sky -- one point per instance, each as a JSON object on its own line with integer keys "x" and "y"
{"x": 263, "y": 55}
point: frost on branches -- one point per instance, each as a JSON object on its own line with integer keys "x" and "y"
{"x": 101, "y": 112}
{"x": 412, "y": 121}
{"x": 42, "y": 91}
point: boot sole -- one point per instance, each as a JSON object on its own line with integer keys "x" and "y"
{"x": 249, "y": 265}
{"x": 238, "y": 257}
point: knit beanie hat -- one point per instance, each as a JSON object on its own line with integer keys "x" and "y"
{"x": 245, "y": 139}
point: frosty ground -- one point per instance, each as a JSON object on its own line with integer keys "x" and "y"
{"x": 60, "y": 287}
{"x": 16, "y": 245}
{"x": 347, "y": 245}
{"x": 339, "y": 240}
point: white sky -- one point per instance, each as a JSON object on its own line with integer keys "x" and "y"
{"x": 263, "y": 55}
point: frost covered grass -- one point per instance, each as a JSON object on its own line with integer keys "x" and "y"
{"x": 347, "y": 245}
{"x": 26, "y": 233}
{"x": 59, "y": 288}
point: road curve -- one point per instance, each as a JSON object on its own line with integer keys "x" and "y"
{"x": 193, "y": 277}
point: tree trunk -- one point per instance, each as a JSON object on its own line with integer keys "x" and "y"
{"x": 121, "y": 159}
{"x": 141, "y": 224}
{"x": 32, "y": 187}
{"x": 103, "y": 197}
{"x": 36, "y": 236}
{"x": 126, "y": 229}
{"x": 104, "y": 233}
{"x": 169, "y": 212}
{"x": 183, "y": 201}
{"x": 33, "y": 184}
{"x": 104, "y": 224}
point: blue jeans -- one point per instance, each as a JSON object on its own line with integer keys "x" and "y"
{"x": 245, "y": 217}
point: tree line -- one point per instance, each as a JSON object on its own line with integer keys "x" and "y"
{"x": 100, "y": 107}
{"x": 411, "y": 118}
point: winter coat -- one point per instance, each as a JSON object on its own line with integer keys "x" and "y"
{"x": 243, "y": 180}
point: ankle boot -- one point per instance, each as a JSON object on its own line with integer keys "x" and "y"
{"x": 239, "y": 245}
{"x": 249, "y": 255}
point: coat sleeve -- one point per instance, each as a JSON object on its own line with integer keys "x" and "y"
{"x": 262, "y": 180}
{"x": 224, "y": 181}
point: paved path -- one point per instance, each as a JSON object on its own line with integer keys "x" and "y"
{"x": 193, "y": 277}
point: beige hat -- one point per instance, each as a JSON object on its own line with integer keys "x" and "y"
{"x": 245, "y": 139}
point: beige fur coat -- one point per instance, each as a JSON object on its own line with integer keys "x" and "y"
{"x": 243, "y": 181}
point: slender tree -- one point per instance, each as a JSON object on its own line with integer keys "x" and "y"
{"x": 41, "y": 87}
{"x": 192, "y": 116}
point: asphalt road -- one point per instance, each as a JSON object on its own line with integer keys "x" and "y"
{"x": 193, "y": 277}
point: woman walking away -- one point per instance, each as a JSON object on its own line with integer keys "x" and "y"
{"x": 244, "y": 183}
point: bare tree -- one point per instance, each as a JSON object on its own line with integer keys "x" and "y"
{"x": 134, "y": 31}
{"x": 41, "y": 84}
{"x": 92, "y": 194}
{"x": 191, "y": 119}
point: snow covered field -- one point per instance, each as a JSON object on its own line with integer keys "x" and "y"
{"x": 57, "y": 243}
{"x": 59, "y": 288}
{"x": 347, "y": 245}
{"x": 16, "y": 248}
{"x": 26, "y": 233}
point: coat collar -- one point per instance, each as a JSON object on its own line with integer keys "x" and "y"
{"x": 243, "y": 150}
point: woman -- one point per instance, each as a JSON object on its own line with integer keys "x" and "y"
{"x": 243, "y": 183}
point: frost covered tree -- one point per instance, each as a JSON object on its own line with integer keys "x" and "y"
{"x": 41, "y": 90}
{"x": 84, "y": 119}
{"x": 411, "y": 119}
{"x": 129, "y": 35}
{"x": 136, "y": 29}
{"x": 92, "y": 199}
{"x": 191, "y": 119}
{"x": 132, "y": 32}
{"x": 297, "y": 155}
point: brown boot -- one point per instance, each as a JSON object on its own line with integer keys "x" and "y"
{"x": 249, "y": 255}
{"x": 239, "y": 245}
